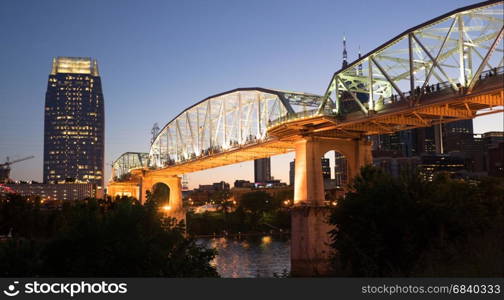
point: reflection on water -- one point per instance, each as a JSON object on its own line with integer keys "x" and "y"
{"x": 257, "y": 256}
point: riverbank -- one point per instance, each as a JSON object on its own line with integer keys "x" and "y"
{"x": 243, "y": 234}
{"x": 238, "y": 222}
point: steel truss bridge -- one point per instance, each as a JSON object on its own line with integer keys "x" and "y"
{"x": 447, "y": 69}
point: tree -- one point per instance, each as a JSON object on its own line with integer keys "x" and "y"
{"x": 125, "y": 239}
{"x": 221, "y": 198}
{"x": 256, "y": 204}
{"x": 284, "y": 195}
{"x": 398, "y": 226}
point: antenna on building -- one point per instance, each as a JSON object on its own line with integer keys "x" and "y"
{"x": 345, "y": 62}
{"x": 154, "y": 132}
{"x": 360, "y": 65}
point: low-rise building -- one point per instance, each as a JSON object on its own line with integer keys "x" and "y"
{"x": 58, "y": 192}
{"x": 243, "y": 184}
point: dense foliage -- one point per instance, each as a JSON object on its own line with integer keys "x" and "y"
{"x": 410, "y": 227}
{"x": 98, "y": 239}
{"x": 257, "y": 211}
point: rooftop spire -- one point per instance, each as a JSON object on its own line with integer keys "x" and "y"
{"x": 345, "y": 62}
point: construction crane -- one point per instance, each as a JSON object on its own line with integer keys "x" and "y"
{"x": 5, "y": 168}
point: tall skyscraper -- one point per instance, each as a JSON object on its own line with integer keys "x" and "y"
{"x": 262, "y": 170}
{"x": 292, "y": 172}
{"x": 403, "y": 143}
{"x": 74, "y": 122}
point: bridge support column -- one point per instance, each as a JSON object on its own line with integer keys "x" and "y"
{"x": 310, "y": 253}
{"x": 174, "y": 183}
{"x": 308, "y": 181}
{"x": 310, "y": 250}
{"x": 177, "y": 210}
{"x": 358, "y": 155}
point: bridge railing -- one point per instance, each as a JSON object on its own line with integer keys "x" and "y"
{"x": 438, "y": 89}
{"x": 301, "y": 115}
{"x": 441, "y": 88}
{"x": 167, "y": 162}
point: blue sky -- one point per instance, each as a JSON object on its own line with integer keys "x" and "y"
{"x": 158, "y": 57}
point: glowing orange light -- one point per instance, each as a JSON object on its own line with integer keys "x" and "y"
{"x": 166, "y": 207}
{"x": 266, "y": 239}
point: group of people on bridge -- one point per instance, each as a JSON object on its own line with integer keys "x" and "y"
{"x": 168, "y": 161}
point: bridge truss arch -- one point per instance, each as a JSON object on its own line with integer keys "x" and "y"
{"x": 128, "y": 161}
{"x": 227, "y": 121}
{"x": 450, "y": 53}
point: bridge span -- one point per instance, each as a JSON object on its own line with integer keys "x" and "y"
{"x": 447, "y": 69}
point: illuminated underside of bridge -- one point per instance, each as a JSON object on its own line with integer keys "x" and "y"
{"x": 447, "y": 69}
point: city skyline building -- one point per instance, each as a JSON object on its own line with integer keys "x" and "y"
{"x": 326, "y": 170}
{"x": 425, "y": 140}
{"x": 438, "y": 139}
{"x": 262, "y": 169}
{"x": 340, "y": 169}
{"x": 479, "y": 154}
{"x": 292, "y": 172}
{"x": 74, "y": 123}
{"x": 448, "y": 132}
{"x": 56, "y": 192}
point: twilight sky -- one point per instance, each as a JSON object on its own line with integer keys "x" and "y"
{"x": 158, "y": 57}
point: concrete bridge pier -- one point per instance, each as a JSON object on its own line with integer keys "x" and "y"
{"x": 128, "y": 188}
{"x": 174, "y": 184}
{"x": 310, "y": 250}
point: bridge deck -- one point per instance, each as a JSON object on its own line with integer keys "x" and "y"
{"x": 433, "y": 109}
{"x": 268, "y": 148}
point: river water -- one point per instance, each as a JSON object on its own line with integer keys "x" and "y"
{"x": 252, "y": 256}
